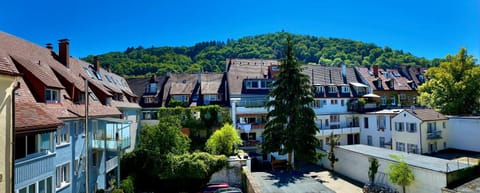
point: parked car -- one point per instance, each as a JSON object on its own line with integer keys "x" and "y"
{"x": 211, "y": 188}
{"x": 229, "y": 190}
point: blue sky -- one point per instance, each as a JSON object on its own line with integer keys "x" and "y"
{"x": 425, "y": 28}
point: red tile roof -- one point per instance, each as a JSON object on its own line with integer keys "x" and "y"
{"x": 427, "y": 114}
{"x": 6, "y": 65}
{"x": 400, "y": 82}
{"x": 31, "y": 117}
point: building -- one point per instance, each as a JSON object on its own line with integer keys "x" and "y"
{"x": 421, "y": 131}
{"x": 463, "y": 133}
{"x": 51, "y": 146}
{"x": 393, "y": 89}
{"x": 151, "y": 94}
{"x": 335, "y": 89}
{"x": 249, "y": 82}
{"x": 9, "y": 78}
{"x": 376, "y": 128}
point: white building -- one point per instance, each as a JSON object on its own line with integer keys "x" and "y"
{"x": 420, "y": 131}
{"x": 376, "y": 128}
{"x": 464, "y": 133}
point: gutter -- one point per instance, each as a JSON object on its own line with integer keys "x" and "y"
{"x": 12, "y": 162}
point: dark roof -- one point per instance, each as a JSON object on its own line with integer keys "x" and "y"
{"x": 427, "y": 114}
{"x": 182, "y": 84}
{"x": 330, "y": 76}
{"x": 138, "y": 86}
{"x": 241, "y": 69}
{"x": 385, "y": 75}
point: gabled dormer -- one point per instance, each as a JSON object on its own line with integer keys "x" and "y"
{"x": 52, "y": 95}
{"x": 378, "y": 83}
{"x": 391, "y": 83}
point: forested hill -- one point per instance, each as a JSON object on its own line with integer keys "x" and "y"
{"x": 211, "y": 56}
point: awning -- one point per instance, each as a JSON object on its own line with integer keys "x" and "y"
{"x": 114, "y": 120}
{"x": 371, "y": 95}
{"x": 356, "y": 84}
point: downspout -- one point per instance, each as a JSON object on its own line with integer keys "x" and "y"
{"x": 421, "y": 144}
{"x": 12, "y": 146}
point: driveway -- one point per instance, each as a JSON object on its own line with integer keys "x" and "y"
{"x": 307, "y": 179}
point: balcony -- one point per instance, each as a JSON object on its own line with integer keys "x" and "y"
{"x": 111, "y": 144}
{"x": 33, "y": 166}
{"x": 251, "y": 103}
{"x": 111, "y": 164}
{"x": 434, "y": 135}
{"x": 348, "y": 130}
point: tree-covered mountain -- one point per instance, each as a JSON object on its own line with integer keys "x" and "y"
{"x": 211, "y": 56}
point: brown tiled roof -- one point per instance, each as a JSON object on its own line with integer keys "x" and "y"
{"x": 427, "y": 114}
{"x": 241, "y": 69}
{"x": 31, "y": 117}
{"x": 182, "y": 84}
{"x": 41, "y": 71}
{"x": 211, "y": 82}
{"x": 400, "y": 82}
{"x": 6, "y": 65}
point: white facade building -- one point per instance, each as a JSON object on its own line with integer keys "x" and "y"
{"x": 376, "y": 128}
{"x": 464, "y": 133}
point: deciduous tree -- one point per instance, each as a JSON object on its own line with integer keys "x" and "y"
{"x": 223, "y": 141}
{"x": 400, "y": 173}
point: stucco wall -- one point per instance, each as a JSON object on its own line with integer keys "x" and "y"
{"x": 6, "y": 86}
{"x": 355, "y": 165}
{"x": 373, "y": 129}
{"x": 464, "y": 133}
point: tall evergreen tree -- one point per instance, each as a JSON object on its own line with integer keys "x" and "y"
{"x": 291, "y": 126}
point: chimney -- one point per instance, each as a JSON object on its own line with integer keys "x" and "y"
{"x": 108, "y": 67}
{"x": 375, "y": 70}
{"x": 64, "y": 52}
{"x": 96, "y": 63}
{"x": 153, "y": 79}
{"x": 344, "y": 70}
{"x": 49, "y": 46}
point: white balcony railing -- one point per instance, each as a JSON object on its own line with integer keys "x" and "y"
{"x": 111, "y": 164}
{"x": 340, "y": 131}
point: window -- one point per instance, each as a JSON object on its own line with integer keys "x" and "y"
{"x": 148, "y": 100}
{"x": 151, "y": 88}
{"x": 94, "y": 158}
{"x": 400, "y": 146}
{"x": 94, "y": 97}
{"x": 342, "y": 102}
{"x": 444, "y": 125}
{"x": 181, "y": 98}
{"x": 316, "y": 104}
{"x": 412, "y": 148}
{"x": 99, "y": 76}
{"x": 75, "y": 127}
{"x": 149, "y": 115}
{"x": 334, "y": 118}
{"x": 44, "y": 186}
{"x": 326, "y": 123}
{"x": 369, "y": 140}
{"x": 383, "y": 100}
{"x": 32, "y": 144}
{"x": 332, "y": 89}
{"x": 208, "y": 98}
{"x": 81, "y": 98}
{"x": 393, "y": 100}
{"x": 431, "y": 127}
{"x": 63, "y": 135}
{"x": 402, "y": 96}
{"x": 411, "y": 127}
{"x": 97, "y": 133}
{"x": 334, "y": 101}
{"x": 319, "y": 89}
{"x": 52, "y": 95}
{"x": 399, "y": 126}
{"x": 320, "y": 144}
{"x": 381, "y": 141}
{"x": 89, "y": 73}
{"x": 63, "y": 175}
{"x": 379, "y": 83}
{"x": 345, "y": 89}
{"x": 382, "y": 122}
{"x": 365, "y": 122}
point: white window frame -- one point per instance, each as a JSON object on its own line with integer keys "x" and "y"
{"x": 369, "y": 140}
{"x": 345, "y": 89}
{"x": 332, "y": 89}
{"x": 381, "y": 141}
{"x": 399, "y": 146}
{"x": 63, "y": 175}
{"x": 63, "y": 135}
{"x": 52, "y": 95}
{"x": 383, "y": 100}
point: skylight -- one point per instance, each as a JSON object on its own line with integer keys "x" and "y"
{"x": 99, "y": 76}
{"x": 89, "y": 73}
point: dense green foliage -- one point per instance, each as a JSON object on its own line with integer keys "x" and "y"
{"x": 162, "y": 163}
{"x": 211, "y": 56}
{"x": 453, "y": 87}
{"x": 400, "y": 173}
{"x": 128, "y": 185}
{"x": 291, "y": 126}
{"x": 223, "y": 141}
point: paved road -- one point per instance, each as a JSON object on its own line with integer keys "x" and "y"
{"x": 307, "y": 179}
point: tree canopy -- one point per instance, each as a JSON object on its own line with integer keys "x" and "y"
{"x": 223, "y": 141}
{"x": 211, "y": 56}
{"x": 453, "y": 87}
{"x": 400, "y": 173}
{"x": 291, "y": 126}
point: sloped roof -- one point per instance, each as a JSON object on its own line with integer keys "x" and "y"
{"x": 241, "y": 69}
{"x": 211, "y": 82}
{"x": 182, "y": 84}
{"x": 400, "y": 82}
{"x": 427, "y": 114}
{"x": 31, "y": 117}
{"x": 6, "y": 65}
{"x": 41, "y": 71}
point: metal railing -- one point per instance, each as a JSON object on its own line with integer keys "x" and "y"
{"x": 111, "y": 164}
{"x": 348, "y": 130}
{"x": 434, "y": 135}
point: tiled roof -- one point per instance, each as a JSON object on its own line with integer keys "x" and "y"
{"x": 427, "y": 114}
{"x": 6, "y": 65}
{"x": 182, "y": 84}
{"x": 31, "y": 117}
{"x": 41, "y": 71}
{"x": 211, "y": 82}
{"x": 385, "y": 75}
{"x": 241, "y": 69}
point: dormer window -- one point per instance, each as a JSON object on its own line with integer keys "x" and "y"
{"x": 99, "y": 76}
{"x": 52, "y": 95}
{"x": 319, "y": 89}
{"x": 81, "y": 98}
{"x": 258, "y": 84}
{"x": 147, "y": 100}
{"x": 391, "y": 83}
{"x": 151, "y": 88}
{"x": 345, "y": 89}
{"x": 379, "y": 83}
{"x": 332, "y": 89}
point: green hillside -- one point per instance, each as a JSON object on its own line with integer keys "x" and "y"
{"x": 211, "y": 56}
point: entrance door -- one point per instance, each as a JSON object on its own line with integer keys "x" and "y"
{"x": 350, "y": 139}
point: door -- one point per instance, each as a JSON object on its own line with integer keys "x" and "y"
{"x": 350, "y": 139}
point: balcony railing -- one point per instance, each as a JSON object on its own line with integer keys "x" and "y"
{"x": 434, "y": 135}
{"x": 348, "y": 130}
{"x": 31, "y": 167}
{"x": 111, "y": 144}
{"x": 111, "y": 164}
{"x": 254, "y": 103}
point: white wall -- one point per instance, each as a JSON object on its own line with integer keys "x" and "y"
{"x": 355, "y": 165}
{"x": 329, "y": 108}
{"x": 373, "y": 129}
{"x": 464, "y": 133}
{"x": 6, "y": 87}
{"x": 404, "y": 136}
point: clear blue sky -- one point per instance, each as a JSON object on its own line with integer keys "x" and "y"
{"x": 425, "y": 28}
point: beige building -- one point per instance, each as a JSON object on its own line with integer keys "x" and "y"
{"x": 421, "y": 131}
{"x": 8, "y": 82}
